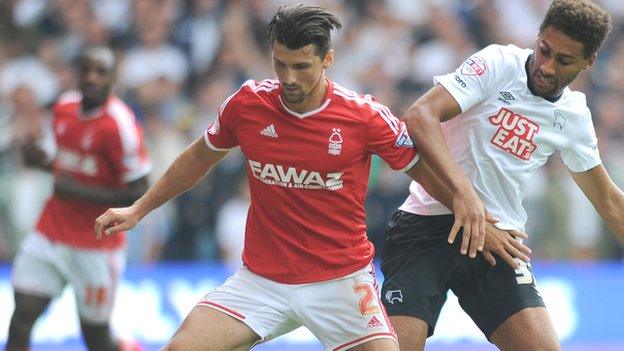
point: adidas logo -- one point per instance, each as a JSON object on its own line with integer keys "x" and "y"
{"x": 374, "y": 323}
{"x": 269, "y": 131}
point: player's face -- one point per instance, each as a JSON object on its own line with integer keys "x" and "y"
{"x": 95, "y": 80}
{"x": 301, "y": 72}
{"x": 557, "y": 61}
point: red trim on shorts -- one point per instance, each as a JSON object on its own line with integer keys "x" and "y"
{"x": 383, "y": 308}
{"x": 364, "y": 339}
{"x": 221, "y": 308}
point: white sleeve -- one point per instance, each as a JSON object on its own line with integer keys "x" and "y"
{"x": 582, "y": 153}
{"x": 473, "y": 81}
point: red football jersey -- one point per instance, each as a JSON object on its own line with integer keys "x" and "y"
{"x": 308, "y": 176}
{"x": 104, "y": 149}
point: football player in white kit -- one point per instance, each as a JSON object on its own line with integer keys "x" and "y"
{"x": 492, "y": 123}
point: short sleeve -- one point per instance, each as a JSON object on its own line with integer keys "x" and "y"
{"x": 582, "y": 154}
{"x": 220, "y": 135}
{"x": 471, "y": 82}
{"x": 127, "y": 150}
{"x": 388, "y": 138}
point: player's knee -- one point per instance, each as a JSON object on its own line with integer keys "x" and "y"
{"x": 24, "y": 317}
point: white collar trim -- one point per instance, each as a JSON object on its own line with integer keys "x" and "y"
{"x": 305, "y": 114}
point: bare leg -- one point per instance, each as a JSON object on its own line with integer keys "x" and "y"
{"x": 381, "y": 344}
{"x": 27, "y": 309}
{"x": 208, "y": 329}
{"x": 412, "y": 332}
{"x": 529, "y": 329}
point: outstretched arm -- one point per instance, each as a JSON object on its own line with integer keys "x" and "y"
{"x": 607, "y": 198}
{"x": 186, "y": 171}
{"x": 499, "y": 241}
{"x": 423, "y": 120}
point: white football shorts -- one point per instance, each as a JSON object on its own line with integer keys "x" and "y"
{"x": 341, "y": 313}
{"x": 44, "y": 268}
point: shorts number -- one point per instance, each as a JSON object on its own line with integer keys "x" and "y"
{"x": 95, "y": 295}
{"x": 367, "y": 304}
{"x": 523, "y": 273}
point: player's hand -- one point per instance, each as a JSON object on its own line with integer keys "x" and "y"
{"x": 34, "y": 155}
{"x": 470, "y": 214}
{"x": 115, "y": 220}
{"x": 505, "y": 245}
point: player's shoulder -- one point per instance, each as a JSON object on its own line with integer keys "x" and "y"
{"x": 67, "y": 100}
{"x": 258, "y": 88}
{"x": 575, "y": 101}
{"x": 252, "y": 93}
{"x": 119, "y": 111}
{"x": 360, "y": 105}
{"x": 504, "y": 56}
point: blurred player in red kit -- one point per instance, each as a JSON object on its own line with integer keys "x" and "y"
{"x": 100, "y": 161}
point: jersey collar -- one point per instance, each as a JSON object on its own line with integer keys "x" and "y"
{"x": 328, "y": 95}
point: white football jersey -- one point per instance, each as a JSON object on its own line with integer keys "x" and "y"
{"x": 505, "y": 133}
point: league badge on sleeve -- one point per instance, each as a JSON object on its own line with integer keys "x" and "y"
{"x": 474, "y": 66}
{"x": 404, "y": 140}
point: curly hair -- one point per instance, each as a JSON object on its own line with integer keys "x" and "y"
{"x": 300, "y": 25}
{"x": 581, "y": 20}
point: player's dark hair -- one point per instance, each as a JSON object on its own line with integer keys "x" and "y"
{"x": 101, "y": 53}
{"x": 299, "y": 25}
{"x": 581, "y": 20}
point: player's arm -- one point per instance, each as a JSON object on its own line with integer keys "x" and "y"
{"x": 499, "y": 241}
{"x": 34, "y": 156}
{"x": 607, "y": 198}
{"x": 423, "y": 120}
{"x": 186, "y": 171}
{"x": 66, "y": 187}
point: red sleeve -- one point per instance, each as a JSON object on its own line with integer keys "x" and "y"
{"x": 221, "y": 134}
{"x": 388, "y": 138}
{"x": 126, "y": 149}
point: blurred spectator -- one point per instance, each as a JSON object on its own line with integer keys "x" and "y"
{"x": 180, "y": 59}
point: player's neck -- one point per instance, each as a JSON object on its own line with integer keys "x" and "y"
{"x": 314, "y": 100}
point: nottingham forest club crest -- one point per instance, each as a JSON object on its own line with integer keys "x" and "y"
{"x": 335, "y": 142}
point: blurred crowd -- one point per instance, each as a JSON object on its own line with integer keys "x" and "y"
{"x": 178, "y": 60}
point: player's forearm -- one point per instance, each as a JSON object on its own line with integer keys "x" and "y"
{"x": 422, "y": 174}
{"x": 426, "y": 133}
{"x": 186, "y": 171}
{"x": 100, "y": 195}
{"x": 611, "y": 210}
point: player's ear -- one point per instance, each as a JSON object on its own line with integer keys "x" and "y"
{"x": 590, "y": 61}
{"x": 328, "y": 60}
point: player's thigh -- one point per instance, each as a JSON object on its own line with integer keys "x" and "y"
{"x": 411, "y": 331}
{"x": 29, "y": 307}
{"x": 382, "y": 344}
{"x": 418, "y": 264}
{"x": 497, "y": 293}
{"x": 346, "y": 312}
{"x": 94, "y": 275}
{"x": 35, "y": 268}
{"x": 207, "y": 329}
{"x": 529, "y": 329}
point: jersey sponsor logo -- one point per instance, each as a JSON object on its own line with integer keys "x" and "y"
{"x": 374, "y": 323}
{"x": 335, "y": 142}
{"x": 87, "y": 140}
{"x": 290, "y": 177}
{"x": 393, "y": 296}
{"x": 515, "y": 133}
{"x": 269, "y": 131}
{"x": 460, "y": 81}
{"x": 559, "y": 121}
{"x": 72, "y": 161}
{"x": 474, "y": 66}
{"x": 404, "y": 139}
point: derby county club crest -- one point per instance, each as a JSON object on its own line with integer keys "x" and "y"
{"x": 335, "y": 142}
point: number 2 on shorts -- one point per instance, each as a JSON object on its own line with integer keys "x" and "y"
{"x": 367, "y": 303}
